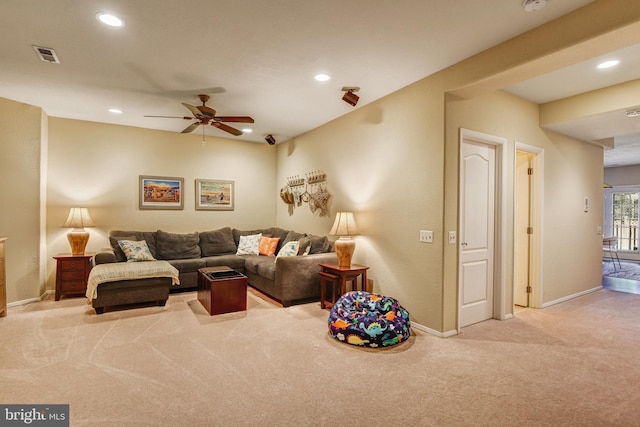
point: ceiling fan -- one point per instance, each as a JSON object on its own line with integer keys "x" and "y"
{"x": 205, "y": 115}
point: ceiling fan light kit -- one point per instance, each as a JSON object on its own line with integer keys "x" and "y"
{"x": 205, "y": 115}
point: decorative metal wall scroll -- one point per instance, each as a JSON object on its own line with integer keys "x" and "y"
{"x": 312, "y": 189}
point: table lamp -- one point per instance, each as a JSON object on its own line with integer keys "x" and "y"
{"x": 345, "y": 227}
{"x": 78, "y": 219}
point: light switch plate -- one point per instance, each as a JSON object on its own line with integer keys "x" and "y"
{"x": 452, "y": 237}
{"x": 426, "y": 236}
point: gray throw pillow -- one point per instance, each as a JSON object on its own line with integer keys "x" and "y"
{"x": 217, "y": 242}
{"x": 318, "y": 244}
{"x": 292, "y": 236}
{"x": 177, "y": 246}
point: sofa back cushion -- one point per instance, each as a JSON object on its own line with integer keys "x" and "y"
{"x": 217, "y": 242}
{"x": 137, "y": 236}
{"x": 315, "y": 244}
{"x": 177, "y": 246}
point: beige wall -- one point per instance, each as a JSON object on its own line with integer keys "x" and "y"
{"x": 97, "y": 165}
{"x": 22, "y": 137}
{"x": 383, "y": 162}
{"x": 572, "y": 171}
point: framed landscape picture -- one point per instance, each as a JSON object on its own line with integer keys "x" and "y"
{"x": 214, "y": 194}
{"x": 158, "y": 192}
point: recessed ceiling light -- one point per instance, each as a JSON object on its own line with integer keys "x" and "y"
{"x": 115, "y": 110}
{"x": 608, "y": 64}
{"x": 111, "y": 20}
{"x": 322, "y": 77}
{"x": 247, "y": 130}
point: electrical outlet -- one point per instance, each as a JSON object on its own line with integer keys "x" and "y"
{"x": 426, "y": 236}
{"x": 452, "y": 237}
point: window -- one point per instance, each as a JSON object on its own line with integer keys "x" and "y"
{"x": 621, "y": 217}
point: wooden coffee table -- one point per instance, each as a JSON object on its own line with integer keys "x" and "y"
{"x": 222, "y": 290}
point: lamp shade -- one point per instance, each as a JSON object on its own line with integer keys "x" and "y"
{"x": 344, "y": 225}
{"x": 78, "y": 218}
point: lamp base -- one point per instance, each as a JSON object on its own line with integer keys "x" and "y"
{"x": 345, "y": 247}
{"x": 78, "y": 241}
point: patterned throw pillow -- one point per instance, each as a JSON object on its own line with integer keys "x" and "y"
{"x": 268, "y": 245}
{"x": 136, "y": 251}
{"x": 289, "y": 249}
{"x": 249, "y": 245}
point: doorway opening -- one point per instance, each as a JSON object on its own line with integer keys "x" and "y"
{"x": 527, "y": 253}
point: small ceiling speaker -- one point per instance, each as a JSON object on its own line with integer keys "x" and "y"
{"x": 533, "y": 5}
{"x": 270, "y": 139}
{"x": 349, "y": 96}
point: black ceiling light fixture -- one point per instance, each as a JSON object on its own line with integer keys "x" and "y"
{"x": 270, "y": 139}
{"x": 349, "y": 95}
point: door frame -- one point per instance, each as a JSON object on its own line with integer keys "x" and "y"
{"x": 537, "y": 209}
{"x": 500, "y": 229}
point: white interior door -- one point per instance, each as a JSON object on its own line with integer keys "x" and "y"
{"x": 523, "y": 222}
{"x": 477, "y": 238}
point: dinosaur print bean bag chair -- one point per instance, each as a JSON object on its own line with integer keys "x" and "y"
{"x": 368, "y": 319}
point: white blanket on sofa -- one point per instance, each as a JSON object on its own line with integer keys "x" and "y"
{"x": 113, "y": 272}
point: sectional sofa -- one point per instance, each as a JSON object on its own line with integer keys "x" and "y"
{"x": 290, "y": 280}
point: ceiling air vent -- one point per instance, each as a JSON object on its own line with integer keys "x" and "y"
{"x": 46, "y": 54}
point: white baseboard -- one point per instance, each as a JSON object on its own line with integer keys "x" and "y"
{"x": 423, "y": 328}
{"x": 30, "y": 300}
{"x": 570, "y": 297}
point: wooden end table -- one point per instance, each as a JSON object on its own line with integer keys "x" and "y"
{"x": 338, "y": 277}
{"x": 72, "y": 273}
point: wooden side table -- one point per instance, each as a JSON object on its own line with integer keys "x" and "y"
{"x": 72, "y": 273}
{"x": 339, "y": 276}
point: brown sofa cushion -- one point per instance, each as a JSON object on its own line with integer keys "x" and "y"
{"x": 177, "y": 246}
{"x": 319, "y": 244}
{"x": 217, "y": 242}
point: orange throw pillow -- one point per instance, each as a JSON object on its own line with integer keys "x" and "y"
{"x": 268, "y": 245}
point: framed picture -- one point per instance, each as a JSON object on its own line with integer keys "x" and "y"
{"x": 159, "y": 192}
{"x": 214, "y": 194}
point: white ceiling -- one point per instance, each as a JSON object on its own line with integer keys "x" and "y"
{"x": 584, "y": 77}
{"x": 254, "y": 58}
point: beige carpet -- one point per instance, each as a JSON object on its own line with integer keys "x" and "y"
{"x": 573, "y": 364}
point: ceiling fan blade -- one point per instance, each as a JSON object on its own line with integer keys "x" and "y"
{"x": 226, "y": 128}
{"x": 236, "y": 119}
{"x": 207, "y": 111}
{"x": 191, "y": 127}
{"x": 174, "y": 117}
{"x": 196, "y": 112}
